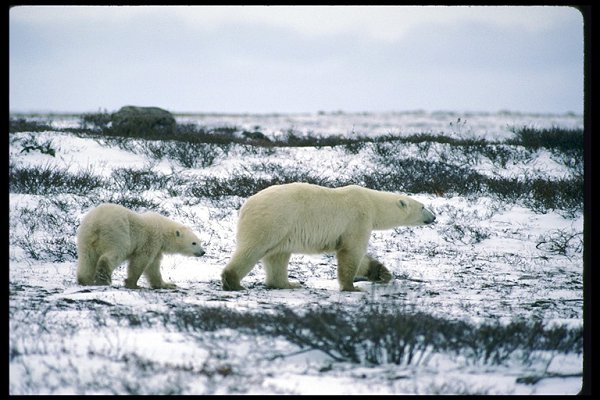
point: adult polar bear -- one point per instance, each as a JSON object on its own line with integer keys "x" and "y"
{"x": 110, "y": 234}
{"x": 311, "y": 219}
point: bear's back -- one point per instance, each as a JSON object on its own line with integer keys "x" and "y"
{"x": 300, "y": 190}
{"x": 106, "y": 212}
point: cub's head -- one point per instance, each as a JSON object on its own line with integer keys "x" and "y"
{"x": 413, "y": 212}
{"x": 187, "y": 242}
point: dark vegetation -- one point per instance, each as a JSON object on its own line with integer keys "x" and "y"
{"x": 373, "y": 333}
{"x": 198, "y": 147}
{"x": 381, "y": 333}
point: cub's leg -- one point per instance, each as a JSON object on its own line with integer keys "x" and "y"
{"x": 137, "y": 265}
{"x": 373, "y": 270}
{"x": 276, "y": 267}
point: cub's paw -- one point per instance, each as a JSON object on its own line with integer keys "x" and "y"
{"x": 131, "y": 285}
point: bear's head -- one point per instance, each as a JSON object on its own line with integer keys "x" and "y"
{"x": 186, "y": 242}
{"x": 414, "y": 212}
{"x": 398, "y": 210}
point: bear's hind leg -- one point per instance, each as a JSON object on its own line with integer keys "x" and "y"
{"x": 237, "y": 268}
{"x": 104, "y": 268}
{"x": 276, "y": 267}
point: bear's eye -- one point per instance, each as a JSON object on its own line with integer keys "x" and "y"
{"x": 193, "y": 243}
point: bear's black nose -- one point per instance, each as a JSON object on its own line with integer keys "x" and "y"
{"x": 429, "y": 216}
{"x": 200, "y": 253}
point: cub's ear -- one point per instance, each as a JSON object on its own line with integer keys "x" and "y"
{"x": 177, "y": 233}
{"x": 401, "y": 203}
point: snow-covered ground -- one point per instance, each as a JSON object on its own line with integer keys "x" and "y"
{"x": 484, "y": 260}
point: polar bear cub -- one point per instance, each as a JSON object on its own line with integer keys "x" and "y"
{"x": 311, "y": 219}
{"x": 110, "y": 234}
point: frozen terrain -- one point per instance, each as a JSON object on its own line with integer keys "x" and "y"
{"x": 486, "y": 260}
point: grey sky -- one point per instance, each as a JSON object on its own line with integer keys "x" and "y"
{"x": 296, "y": 59}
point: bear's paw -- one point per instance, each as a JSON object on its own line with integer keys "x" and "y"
{"x": 231, "y": 281}
{"x": 378, "y": 272}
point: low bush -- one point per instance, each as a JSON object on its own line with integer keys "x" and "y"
{"x": 49, "y": 179}
{"x": 27, "y": 125}
{"x": 540, "y": 194}
{"x": 136, "y": 180}
{"x": 51, "y": 215}
{"x": 98, "y": 122}
{"x": 188, "y": 155}
{"x": 245, "y": 185}
{"x": 377, "y": 333}
{"x": 562, "y": 139}
{"x": 31, "y": 143}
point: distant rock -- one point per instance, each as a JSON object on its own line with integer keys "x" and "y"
{"x": 143, "y": 121}
{"x": 255, "y": 135}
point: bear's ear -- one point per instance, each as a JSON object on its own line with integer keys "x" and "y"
{"x": 401, "y": 203}
{"x": 177, "y": 233}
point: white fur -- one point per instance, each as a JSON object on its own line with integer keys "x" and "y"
{"x": 110, "y": 234}
{"x": 306, "y": 218}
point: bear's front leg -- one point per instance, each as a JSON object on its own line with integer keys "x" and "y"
{"x": 154, "y": 277}
{"x": 276, "y": 268}
{"x": 137, "y": 264}
{"x": 106, "y": 264}
{"x": 348, "y": 263}
{"x": 374, "y": 270}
